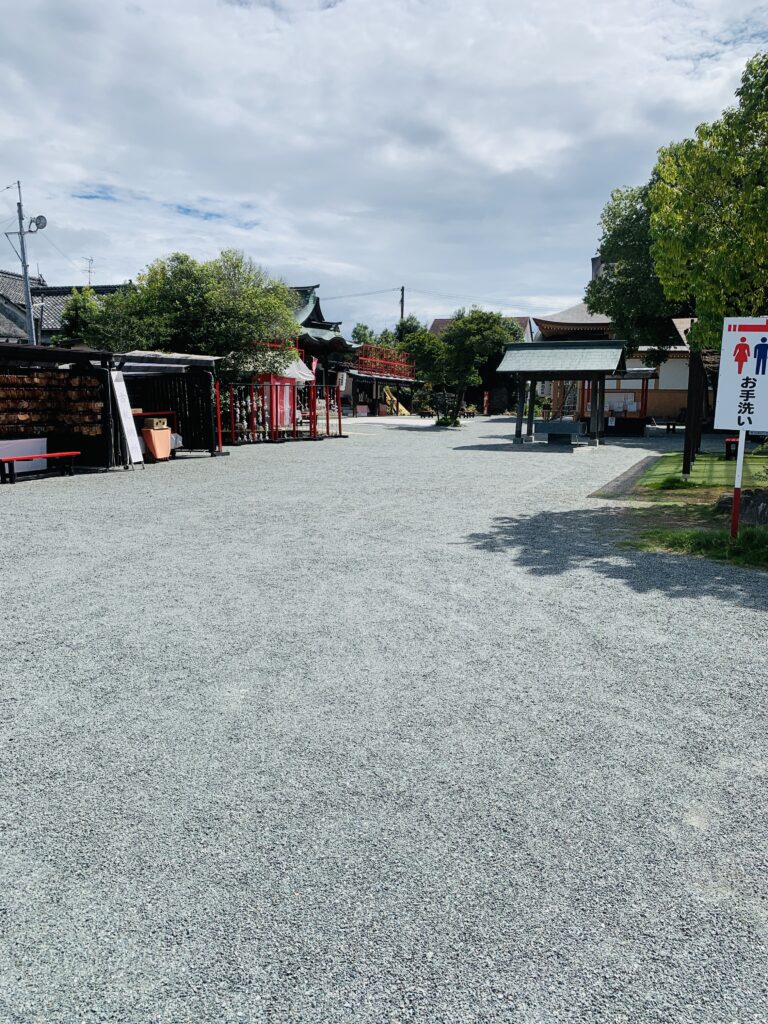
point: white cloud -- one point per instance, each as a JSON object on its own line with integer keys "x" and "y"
{"x": 463, "y": 147}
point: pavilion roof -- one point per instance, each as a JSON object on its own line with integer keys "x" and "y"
{"x": 551, "y": 360}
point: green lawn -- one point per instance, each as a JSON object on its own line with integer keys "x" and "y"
{"x": 751, "y": 549}
{"x": 708, "y": 471}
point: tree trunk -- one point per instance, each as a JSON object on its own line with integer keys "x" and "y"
{"x": 458, "y": 403}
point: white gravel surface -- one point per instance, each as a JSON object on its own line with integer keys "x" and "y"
{"x": 377, "y": 729}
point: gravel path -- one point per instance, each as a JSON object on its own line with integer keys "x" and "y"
{"x": 384, "y": 729}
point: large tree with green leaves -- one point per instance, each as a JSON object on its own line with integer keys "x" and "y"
{"x": 455, "y": 358}
{"x": 227, "y": 307}
{"x": 709, "y": 212}
{"x": 628, "y": 289}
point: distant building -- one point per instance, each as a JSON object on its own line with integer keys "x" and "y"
{"x": 666, "y": 397}
{"x": 48, "y": 303}
{"x": 523, "y": 322}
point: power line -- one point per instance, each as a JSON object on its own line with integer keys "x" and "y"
{"x": 62, "y": 253}
{"x": 359, "y": 295}
{"x": 464, "y": 298}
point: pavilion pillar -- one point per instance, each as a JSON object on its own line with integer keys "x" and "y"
{"x": 531, "y": 409}
{"x": 601, "y": 409}
{"x": 593, "y": 412}
{"x": 520, "y": 407}
{"x": 557, "y": 399}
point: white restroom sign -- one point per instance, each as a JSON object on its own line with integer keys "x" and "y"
{"x": 742, "y": 390}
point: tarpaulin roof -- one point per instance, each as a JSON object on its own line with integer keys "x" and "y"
{"x": 145, "y": 362}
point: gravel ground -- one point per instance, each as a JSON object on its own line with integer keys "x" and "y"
{"x": 383, "y": 729}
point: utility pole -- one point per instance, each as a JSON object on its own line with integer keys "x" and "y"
{"x": 402, "y": 303}
{"x": 35, "y": 224}
{"x": 25, "y": 273}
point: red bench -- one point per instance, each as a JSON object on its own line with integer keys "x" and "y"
{"x": 8, "y": 464}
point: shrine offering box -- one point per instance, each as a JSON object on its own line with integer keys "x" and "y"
{"x": 158, "y": 442}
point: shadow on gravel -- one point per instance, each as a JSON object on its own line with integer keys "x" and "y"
{"x": 537, "y": 449}
{"x": 554, "y": 543}
{"x": 424, "y": 425}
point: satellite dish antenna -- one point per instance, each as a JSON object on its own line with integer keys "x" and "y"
{"x": 40, "y": 222}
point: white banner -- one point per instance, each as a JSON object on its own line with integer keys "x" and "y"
{"x": 742, "y": 390}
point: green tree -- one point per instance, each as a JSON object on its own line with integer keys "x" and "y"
{"x": 363, "y": 334}
{"x": 472, "y": 339}
{"x": 628, "y": 289}
{"x": 227, "y": 307}
{"x": 709, "y": 212}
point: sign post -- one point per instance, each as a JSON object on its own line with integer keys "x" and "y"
{"x": 127, "y": 421}
{"x": 735, "y": 512}
{"x": 742, "y": 392}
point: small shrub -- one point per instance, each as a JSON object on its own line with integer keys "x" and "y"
{"x": 670, "y": 483}
{"x": 447, "y": 421}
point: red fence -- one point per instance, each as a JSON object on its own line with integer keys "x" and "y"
{"x": 385, "y": 362}
{"x": 277, "y": 411}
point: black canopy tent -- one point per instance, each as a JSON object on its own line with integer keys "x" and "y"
{"x": 65, "y": 395}
{"x": 592, "y": 361}
{"x": 174, "y": 382}
{"x": 61, "y": 394}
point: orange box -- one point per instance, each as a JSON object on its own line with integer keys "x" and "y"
{"x": 158, "y": 442}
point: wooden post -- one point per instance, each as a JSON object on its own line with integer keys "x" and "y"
{"x": 593, "y": 411}
{"x": 601, "y": 407}
{"x": 520, "y": 408}
{"x": 688, "y": 440}
{"x": 531, "y": 409}
{"x": 218, "y": 416}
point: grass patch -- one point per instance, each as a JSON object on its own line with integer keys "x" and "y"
{"x": 751, "y": 548}
{"x": 669, "y": 483}
{"x": 708, "y": 471}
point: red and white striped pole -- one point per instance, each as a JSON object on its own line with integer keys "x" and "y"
{"x": 737, "y": 485}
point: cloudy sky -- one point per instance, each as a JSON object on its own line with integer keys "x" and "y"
{"x": 462, "y": 148}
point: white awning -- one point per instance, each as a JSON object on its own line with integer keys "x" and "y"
{"x": 298, "y": 370}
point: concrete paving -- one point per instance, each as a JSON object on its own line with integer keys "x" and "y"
{"x": 376, "y": 729}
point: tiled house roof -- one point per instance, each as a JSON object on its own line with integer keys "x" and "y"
{"x": 9, "y": 331}
{"x": 54, "y": 299}
{"x": 12, "y": 286}
{"x": 51, "y": 298}
{"x": 440, "y": 324}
